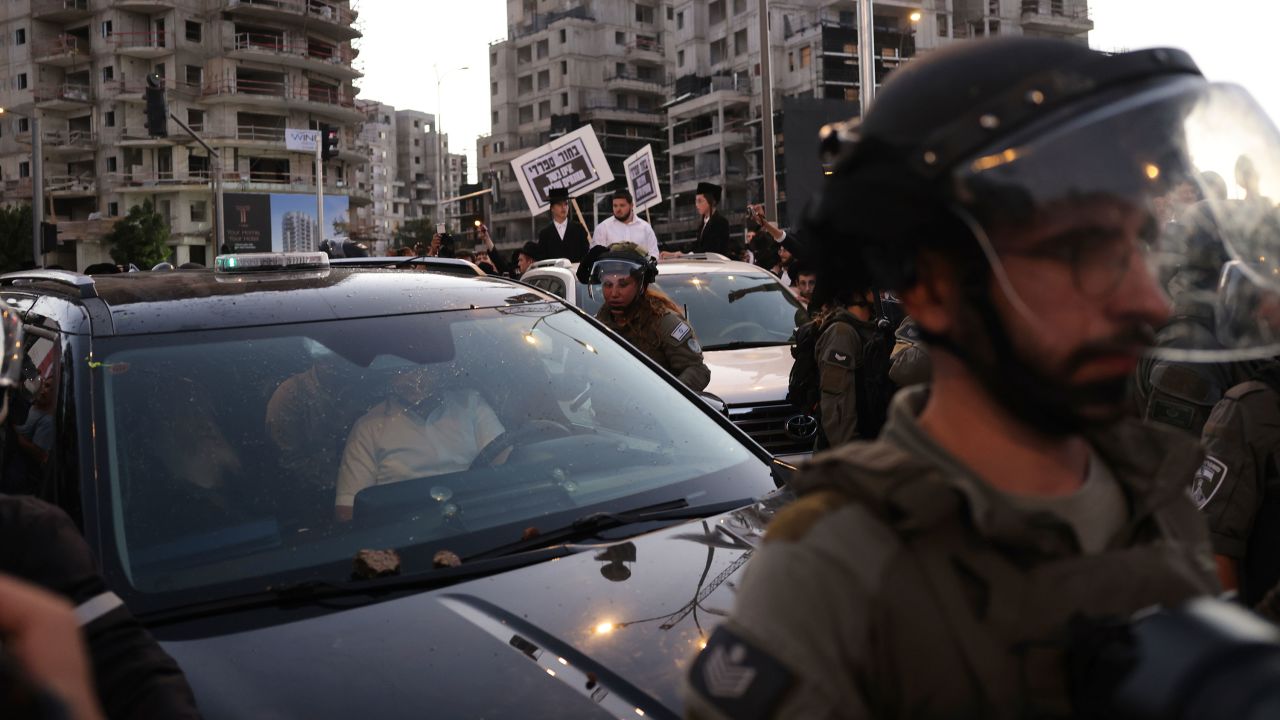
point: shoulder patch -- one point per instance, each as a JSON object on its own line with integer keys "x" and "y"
{"x": 680, "y": 331}
{"x": 737, "y": 678}
{"x": 1208, "y": 481}
{"x": 836, "y": 357}
{"x": 795, "y": 521}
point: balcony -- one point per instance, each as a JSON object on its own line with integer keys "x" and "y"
{"x": 124, "y": 90}
{"x": 329, "y": 18}
{"x": 66, "y": 96}
{"x": 330, "y": 101}
{"x": 60, "y": 11}
{"x": 329, "y": 59}
{"x": 647, "y": 51}
{"x": 653, "y": 85}
{"x": 734, "y": 133}
{"x": 69, "y": 186}
{"x": 154, "y": 182}
{"x": 145, "y": 45}
{"x": 61, "y": 50}
{"x": 147, "y": 7}
{"x": 16, "y": 188}
{"x": 1056, "y": 17}
{"x": 61, "y": 142}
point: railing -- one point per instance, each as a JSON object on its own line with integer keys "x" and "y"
{"x": 45, "y": 7}
{"x": 311, "y": 8}
{"x": 65, "y": 91}
{"x": 16, "y": 186}
{"x": 736, "y": 126}
{"x": 71, "y": 138}
{"x": 61, "y": 45}
{"x": 155, "y": 179}
{"x": 660, "y": 80}
{"x": 1055, "y": 8}
{"x": 645, "y": 46}
{"x": 543, "y": 21}
{"x": 146, "y": 40}
{"x": 86, "y": 183}
{"x": 260, "y": 132}
{"x": 336, "y": 54}
{"x": 286, "y": 90}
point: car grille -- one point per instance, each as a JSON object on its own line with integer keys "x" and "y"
{"x": 767, "y": 425}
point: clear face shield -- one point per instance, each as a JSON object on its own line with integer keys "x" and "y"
{"x": 611, "y": 270}
{"x": 1172, "y": 184}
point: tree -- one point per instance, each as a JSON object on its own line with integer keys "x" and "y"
{"x": 141, "y": 237}
{"x": 15, "y": 237}
{"x": 415, "y": 231}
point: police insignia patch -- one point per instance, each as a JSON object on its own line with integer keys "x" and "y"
{"x": 680, "y": 332}
{"x": 739, "y": 679}
{"x": 1207, "y": 481}
{"x": 836, "y": 357}
{"x": 694, "y": 346}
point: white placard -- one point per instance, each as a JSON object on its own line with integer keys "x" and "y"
{"x": 301, "y": 140}
{"x": 574, "y": 162}
{"x": 642, "y": 178}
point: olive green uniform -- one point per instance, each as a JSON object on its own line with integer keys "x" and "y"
{"x": 840, "y": 350}
{"x": 1238, "y": 486}
{"x": 673, "y": 345}
{"x": 910, "y": 364}
{"x": 900, "y": 585}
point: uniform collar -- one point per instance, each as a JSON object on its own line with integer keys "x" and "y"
{"x": 1151, "y": 465}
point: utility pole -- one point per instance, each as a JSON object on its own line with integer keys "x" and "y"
{"x": 37, "y": 188}
{"x": 766, "y": 124}
{"x": 320, "y": 141}
{"x": 216, "y": 161}
{"x": 866, "y": 56}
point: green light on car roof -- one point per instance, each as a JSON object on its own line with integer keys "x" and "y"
{"x": 270, "y": 262}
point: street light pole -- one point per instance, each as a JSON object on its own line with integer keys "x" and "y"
{"x": 766, "y": 111}
{"x": 37, "y": 189}
{"x": 866, "y": 56}
{"x": 440, "y": 140}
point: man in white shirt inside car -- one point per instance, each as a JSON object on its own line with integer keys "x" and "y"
{"x": 426, "y": 427}
{"x": 625, "y": 226}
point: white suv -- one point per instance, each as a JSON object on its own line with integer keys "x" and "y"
{"x": 745, "y": 320}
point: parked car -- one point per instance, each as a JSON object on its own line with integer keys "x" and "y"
{"x": 569, "y": 565}
{"x": 745, "y": 319}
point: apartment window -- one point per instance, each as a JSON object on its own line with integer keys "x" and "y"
{"x": 544, "y": 79}
{"x": 112, "y": 164}
{"x": 526, "y": 114}
{"x": 24, "y": 125}
{"x": 680, "y": 58}
{"x": 415, "y": 125}
{"x": 806, "y": 56}
{"x": 417, "y": 142}
{"x": 644, "y": 14}
{"x": 20, "y": 36}
{"x": 943, "y": 25}
{"x": 113, "y": 209}
{"x": 544, "y": 109}
{"x": 718, "y": 52}
{"x": 159, "y": 69}
{"x": 524, "y": 55}
{"x": 524, "y": 85}
{"x": 791, "y": 61}
{"x": 740, "y": 42}
{"x": 493, "y": 59}
{"x": 564, "y": 36}
{"x": 24, "y": 169}
{"x": 195, "y": 118}
{"x": 619, "y": 38}
{"x": 679, "y": 20}
{"x": 195, "y": 75}
{"x": 669, "y": 13}
{"x": 739, "y": 6}
{"x": 417, "y": 159}
{"x": 108, "y": 73}
{"x": 493, "y": 88}
{"x": 564, "y": 100}
{"x": 106, "y": 28}
{"x": 564, "y": 67}
{"x": 543, "y": 49}
{"x": 620, "y": 70}
{"x": 22, "y": 81}
{"x": 199, "y": 211}
{"x": 194, "y": 31}
{"x": 715, "y": 12}
{"x": 494, "y": 119}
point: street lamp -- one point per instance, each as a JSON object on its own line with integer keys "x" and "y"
{"x": 37, "y": 182}
{"x": 440, "y": 138}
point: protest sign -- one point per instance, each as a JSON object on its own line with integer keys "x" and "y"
{"x": 642, "y": 178}
{"x": 574, "y": 161}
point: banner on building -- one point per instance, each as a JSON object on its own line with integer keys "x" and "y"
{"x": 642, "y": 178}
{"x": 574, "y": 161}
{"x": 301, "y": 140}
{"x": 283, "y": 222}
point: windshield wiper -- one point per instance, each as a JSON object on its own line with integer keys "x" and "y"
{"x": 744, "y": 344}
{"x": 590, "y": 525}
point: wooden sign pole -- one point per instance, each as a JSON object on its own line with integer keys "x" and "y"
{"x": 582, "y": 220}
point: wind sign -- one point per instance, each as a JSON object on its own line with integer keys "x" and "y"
{"x": 574, "y": 162}
{"x": 301, "y": 140}
{"x": 642, "y": 178}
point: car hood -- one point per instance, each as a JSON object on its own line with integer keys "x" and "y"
{"x": 750, "y": 376}
{"x": 606, "y": 632}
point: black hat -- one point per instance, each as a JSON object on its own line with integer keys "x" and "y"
{"x": 622, "y": 194}
{"x": 530, "y": 248}
{"x": 558, "y": 194}
{"x": 710, "y": 191}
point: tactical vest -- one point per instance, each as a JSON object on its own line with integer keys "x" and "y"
{"x": 967, "y": 627}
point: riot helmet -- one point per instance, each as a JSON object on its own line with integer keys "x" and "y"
{"x": 625, "y": 259}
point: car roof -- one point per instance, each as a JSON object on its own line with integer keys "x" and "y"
{"x": 169, "y": 301}
{"x": 676, "y": 266}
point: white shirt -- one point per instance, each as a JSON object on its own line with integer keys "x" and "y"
{"x": 392, "y": 443}
{"x": 560, "y": 226}
{"x": 611, "y": 231}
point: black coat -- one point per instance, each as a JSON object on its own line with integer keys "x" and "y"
{"x": 714, "y": 236}
{"x": 573, "y": 246}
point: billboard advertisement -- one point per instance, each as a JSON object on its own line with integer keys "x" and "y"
{"x": 282, "y": 222}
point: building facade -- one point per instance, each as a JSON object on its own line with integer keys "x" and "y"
{"x": 238, "y": 72}
{"x": 685, "y": 76}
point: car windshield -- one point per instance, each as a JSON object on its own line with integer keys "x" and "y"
{"x": 725, "y": 310}
{"x": 247, "y": 457}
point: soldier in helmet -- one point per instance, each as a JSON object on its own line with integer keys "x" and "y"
{"x": 643, "y": 315}
{"x": 1003, "y": 191}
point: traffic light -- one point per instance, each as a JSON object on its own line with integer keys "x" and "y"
{"x": 157, "y": 107}
{"x": 48, "y": 237}
{"x": 328, "y": 141}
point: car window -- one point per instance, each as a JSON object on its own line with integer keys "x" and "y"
{"x": 31, "y": 437}
{"x": 745, "y": 308}
{"x": 231, "y": 452}
{"x": 552, "y": 285}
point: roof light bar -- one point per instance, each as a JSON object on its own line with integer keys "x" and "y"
{"x": 270, "y": 262}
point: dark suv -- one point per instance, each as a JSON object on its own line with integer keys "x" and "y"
{"x": 231, "y": 440}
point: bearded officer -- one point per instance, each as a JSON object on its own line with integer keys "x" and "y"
{"x": 644, "y": 316}
{"x": 1002, "y": 190}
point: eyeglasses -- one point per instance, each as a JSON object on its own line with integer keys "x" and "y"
{"x": 1099, "y": 258}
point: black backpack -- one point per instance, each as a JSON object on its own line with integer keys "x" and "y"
{"x": 872, "y": 385}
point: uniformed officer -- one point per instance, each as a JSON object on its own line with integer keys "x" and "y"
{"x": 1002, "y": 190}
{"x": 910, "y": 359}
{"x": 1238, "y": 486}
{"x": 646, "y": 317}
{"x": 846, "y": 328}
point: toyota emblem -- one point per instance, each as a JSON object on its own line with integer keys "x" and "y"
{"x": 801, "y": 427}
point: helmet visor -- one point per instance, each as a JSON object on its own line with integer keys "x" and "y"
{"x": 614, "y": 268}
{"x": 1174, "y": 179}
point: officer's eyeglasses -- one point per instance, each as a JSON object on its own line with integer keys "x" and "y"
{"x": 1099, "y": 257}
